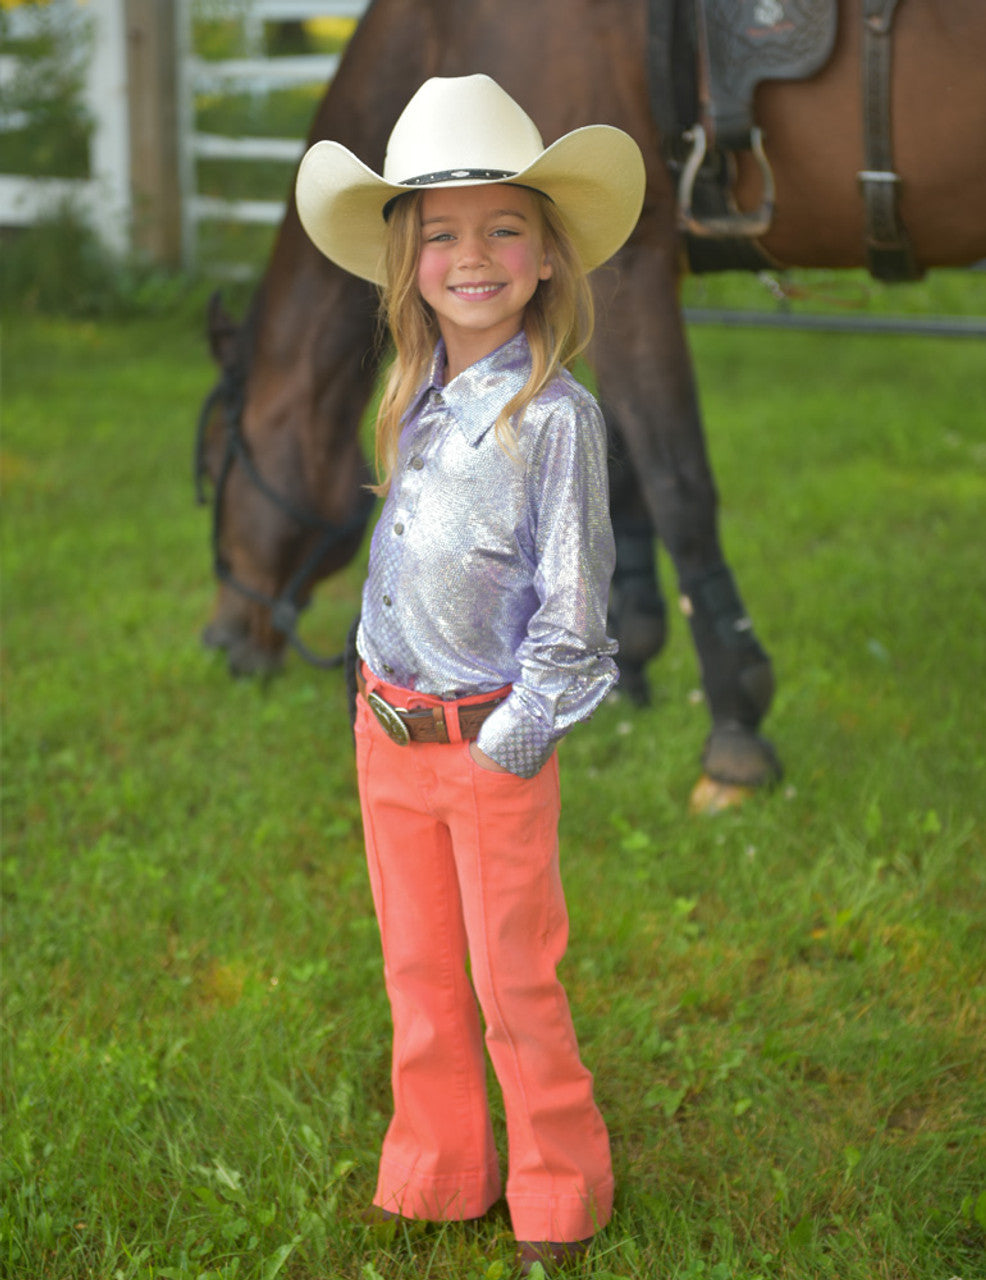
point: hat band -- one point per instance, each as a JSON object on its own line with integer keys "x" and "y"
{"x": 448, "y": 175}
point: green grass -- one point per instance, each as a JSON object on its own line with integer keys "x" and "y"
{"x": 783, "y": 1007}
{"x": 843, "y": 294}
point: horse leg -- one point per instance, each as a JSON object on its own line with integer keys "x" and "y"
{"x": 637, "y": 612}
{"x": 647, "y": 388}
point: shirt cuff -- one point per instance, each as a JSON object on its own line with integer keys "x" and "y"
{"x": 521, "y": 734}
{"x": 516, "y": 740}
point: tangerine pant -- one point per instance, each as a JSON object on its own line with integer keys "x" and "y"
{"x": 463, "y": 866}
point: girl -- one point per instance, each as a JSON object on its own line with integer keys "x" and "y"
{"x": 482, "y": 640}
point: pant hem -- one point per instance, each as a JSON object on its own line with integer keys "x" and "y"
{"x": 561, "y": 1218}
{"x": 448, "y": 1198}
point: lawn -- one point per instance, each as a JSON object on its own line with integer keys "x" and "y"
{"x": 784, "y": 1007}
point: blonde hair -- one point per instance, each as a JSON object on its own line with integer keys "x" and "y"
{"x": 558, "y": 322}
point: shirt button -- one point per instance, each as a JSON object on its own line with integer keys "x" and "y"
{"x": 398, "y": 528}
{"x": 417, "y": 463}
{"x": 387, "y": 601}
{"x": 388, "y": 669}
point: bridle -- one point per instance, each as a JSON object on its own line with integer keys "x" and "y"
{"x": 285, "y": 609}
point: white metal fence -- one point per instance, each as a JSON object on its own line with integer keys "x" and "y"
{"x": 106, "y": 197}
{"x": 256, "y": 72}
{"x": 97, "y": 29}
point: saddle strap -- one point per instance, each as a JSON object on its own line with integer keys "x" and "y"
{"x": 671, "y": 60}
{"x": 888, "y": 249}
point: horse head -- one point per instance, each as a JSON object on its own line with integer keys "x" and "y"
{"x": 278, "y": 440}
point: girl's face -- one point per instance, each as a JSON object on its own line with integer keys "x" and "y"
{"x": 482, "y": 257}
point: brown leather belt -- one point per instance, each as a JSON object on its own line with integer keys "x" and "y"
{"x": 425, "y": 724}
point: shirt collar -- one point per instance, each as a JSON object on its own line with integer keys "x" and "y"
{"x": 476, "y": 397}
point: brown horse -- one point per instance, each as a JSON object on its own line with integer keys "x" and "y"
{"x": 279, "y": 433}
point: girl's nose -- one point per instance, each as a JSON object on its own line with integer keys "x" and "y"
{"x": 472, "y": 250}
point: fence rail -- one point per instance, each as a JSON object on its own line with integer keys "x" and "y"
{"x": 267, "y": 213}
{"x": 264, "y": 73}
{"x": 218, "y": 146}
{"x": 302, "y": 10}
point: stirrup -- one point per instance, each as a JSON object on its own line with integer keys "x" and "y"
{"x": 731, "y": 224}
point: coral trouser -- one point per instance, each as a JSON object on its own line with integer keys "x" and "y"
{"x": 463, "y": 865}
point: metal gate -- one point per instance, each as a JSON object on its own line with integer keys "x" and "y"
{"x": 257, "y": 73}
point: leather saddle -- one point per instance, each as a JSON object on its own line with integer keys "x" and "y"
{"x": 706, "y": 58}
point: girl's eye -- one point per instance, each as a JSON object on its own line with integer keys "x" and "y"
{"x": 439, "y": 237}
{"x": 506, "y": 231}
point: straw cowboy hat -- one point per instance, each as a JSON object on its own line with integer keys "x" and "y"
{"x": 462, "y": 132}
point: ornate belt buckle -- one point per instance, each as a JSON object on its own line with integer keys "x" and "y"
{"x": 391, "y": 723}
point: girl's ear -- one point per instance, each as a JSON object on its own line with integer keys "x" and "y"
{"x": 545, "y": 272}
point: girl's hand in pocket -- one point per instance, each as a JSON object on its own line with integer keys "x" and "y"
{"x": 484, "y": 761}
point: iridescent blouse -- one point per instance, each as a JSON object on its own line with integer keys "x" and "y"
{"x": 488, "y": 569}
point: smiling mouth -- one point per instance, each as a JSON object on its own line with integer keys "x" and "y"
{"x": 476, "y": 291}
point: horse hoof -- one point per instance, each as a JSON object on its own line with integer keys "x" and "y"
{"x": 735, "y": 756}
{"x": 710, "y": 797}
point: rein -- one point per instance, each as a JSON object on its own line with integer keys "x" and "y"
{"x": 285, "y": 609}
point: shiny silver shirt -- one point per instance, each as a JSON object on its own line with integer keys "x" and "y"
{"x": 487, "y": 569}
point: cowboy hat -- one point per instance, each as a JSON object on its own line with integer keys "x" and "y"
{"x": 461, "y": 132}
